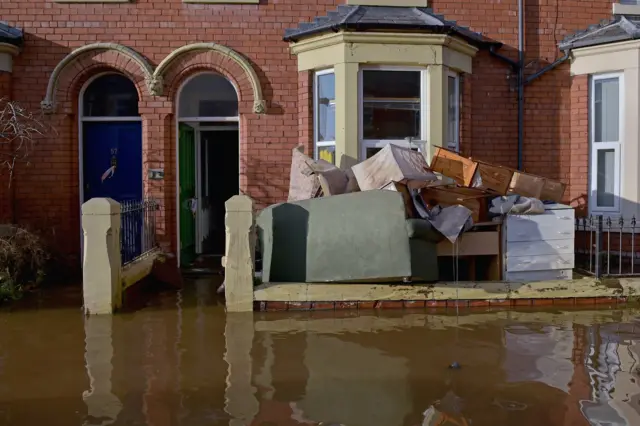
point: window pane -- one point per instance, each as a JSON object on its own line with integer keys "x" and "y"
{"x": 391, "y": 104}
{"x": 208, "y": 95}
{"x": 327, "y": 153}
{"x": 606, "y": 165}
{"x": 111, "y": 95}
{"x": 606, "y": 115}
{"x": 453, "y": 114}
{"x": 326, "y": 108}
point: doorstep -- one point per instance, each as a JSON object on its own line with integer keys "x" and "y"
{"x": 316, "y": 296}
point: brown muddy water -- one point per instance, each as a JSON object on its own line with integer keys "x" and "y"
{"x": 179, "y": 360}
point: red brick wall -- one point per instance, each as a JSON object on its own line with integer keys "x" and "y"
{"x": 551, "y": 127}
{"x": 48, "y": 193}
{"x": 6, "y": 198}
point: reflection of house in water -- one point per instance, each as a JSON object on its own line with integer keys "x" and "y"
{"x": 611, "y": 365}
{"x": 368, "y": 376}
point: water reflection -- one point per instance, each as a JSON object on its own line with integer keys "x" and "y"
{"x": 181, "y": 361}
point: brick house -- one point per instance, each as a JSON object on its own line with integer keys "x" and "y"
{"x": 195, "y": 100}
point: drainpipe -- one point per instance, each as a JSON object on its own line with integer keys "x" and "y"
{"x": 518, "y": 68}
{"x": 520, "y": 82}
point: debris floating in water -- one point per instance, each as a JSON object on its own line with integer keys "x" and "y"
{"x": 454, "y": 365}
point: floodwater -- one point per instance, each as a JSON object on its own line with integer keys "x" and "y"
{"x": 179, "y": 360}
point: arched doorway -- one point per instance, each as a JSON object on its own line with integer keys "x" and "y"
{"x": 111, "y": 139}
{"x": 208, "y": 166}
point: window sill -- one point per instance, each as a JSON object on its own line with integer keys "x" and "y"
{"x": 626, "y": 9}
{"x": 404, "y": 3}
{"x": 221, "y": 1}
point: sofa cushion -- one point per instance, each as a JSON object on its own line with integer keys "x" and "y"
{"x": 421, "y": 229}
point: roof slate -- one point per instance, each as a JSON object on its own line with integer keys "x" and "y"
{"x": 364, "y": 18}
{"x": 617, "y": 29}
{"x": 11, "y": 35}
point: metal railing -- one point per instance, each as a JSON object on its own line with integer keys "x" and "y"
{"x": 607, "y": 247}
{"x": 138, "y": 228}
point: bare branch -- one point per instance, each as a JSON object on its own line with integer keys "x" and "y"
{"x": 20, "y": 129}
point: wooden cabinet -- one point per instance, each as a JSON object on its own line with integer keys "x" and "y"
{"x": 539, "y": 247}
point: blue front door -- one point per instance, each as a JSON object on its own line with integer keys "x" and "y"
{"x": 112, "y": 168}
{"x": 112, "y": 165}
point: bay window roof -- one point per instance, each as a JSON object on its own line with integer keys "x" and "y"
{"x": 617, "y": 29}
{"x": 378, "y": 18}
{"x": 11, "y": 35}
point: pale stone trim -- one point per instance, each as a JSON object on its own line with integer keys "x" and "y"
{"x": 259, "y": 104}
{"x": 9, "y": 48}
{"x": 48, "y": 103}
{"x": 327, "y": 40}
{"x": 239, "y": 253}
{"x": 101, "y": 262}
{"x": 140, "y": 268}
{"x": 399, "y": 3}
{"x": 625, "y": 9}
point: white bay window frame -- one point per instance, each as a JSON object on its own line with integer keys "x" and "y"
{"x": 316, "y": 114}
{"x": 453, "y": 141}
{"x": 595, "y": 147}
{"x": 364, "y": 144}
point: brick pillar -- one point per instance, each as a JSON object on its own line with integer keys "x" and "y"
{"x": 576, "y": 154}
{"x": 6, "y": 198}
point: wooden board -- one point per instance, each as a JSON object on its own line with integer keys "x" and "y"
{"x": 473, "y": 244}
{"x": 526, "y": 184}
{"x": 454, "y": 166}
{"x": 473, "y": 199}
{"x": 492, "y": 178}
{"x": 553, "y": 190}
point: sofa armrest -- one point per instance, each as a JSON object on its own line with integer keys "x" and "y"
{"x": 421, "y": 229}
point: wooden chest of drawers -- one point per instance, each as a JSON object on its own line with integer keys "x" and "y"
{"x": 539, "y": 247}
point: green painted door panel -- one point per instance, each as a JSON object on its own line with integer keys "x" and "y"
{"x": 187, "y": 187}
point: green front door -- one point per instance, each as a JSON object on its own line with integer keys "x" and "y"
{"x": 187, "y": 166}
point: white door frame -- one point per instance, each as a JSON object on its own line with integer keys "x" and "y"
{"x": 81, "y": 120}
{"x": 195, "y": 123}
{"x": 200, "y": 222}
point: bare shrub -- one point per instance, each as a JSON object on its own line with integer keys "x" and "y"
{"x": 19, "y": 130}
{"x": 24, "y": 258}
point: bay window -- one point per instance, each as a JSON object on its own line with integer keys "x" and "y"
{"x": 606, "y": 110}
{"x": 392, "y": 107}
{"x": 324, "y": 115}
{"x": 453, "y": 112}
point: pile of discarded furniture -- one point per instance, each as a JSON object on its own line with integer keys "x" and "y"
{"x": 395, "y": 218}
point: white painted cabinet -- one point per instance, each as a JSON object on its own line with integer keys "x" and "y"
{"x": 539, "y": 247}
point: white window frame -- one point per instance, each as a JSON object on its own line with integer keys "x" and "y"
{"x": 594, "y": 147}
{"x": 321, "y": 144}
{"x": 455, "y": 140}
{"x": 424, "y": 122}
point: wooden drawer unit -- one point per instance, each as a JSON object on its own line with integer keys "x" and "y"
{"x": 539, "y": 247}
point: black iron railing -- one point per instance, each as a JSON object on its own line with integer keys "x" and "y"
{"x": 138, "y": 228}
{"x": 607, "y": 247}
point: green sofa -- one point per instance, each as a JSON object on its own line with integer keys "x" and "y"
{"x": 357, "y": 237}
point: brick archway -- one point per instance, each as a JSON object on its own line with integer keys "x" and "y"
{"x": 188, "y": 60}
{"x": 78, "y": 66}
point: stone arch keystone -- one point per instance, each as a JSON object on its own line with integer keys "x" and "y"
{"x": 48, "y": 103}
{"x": 156, "y": 82}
